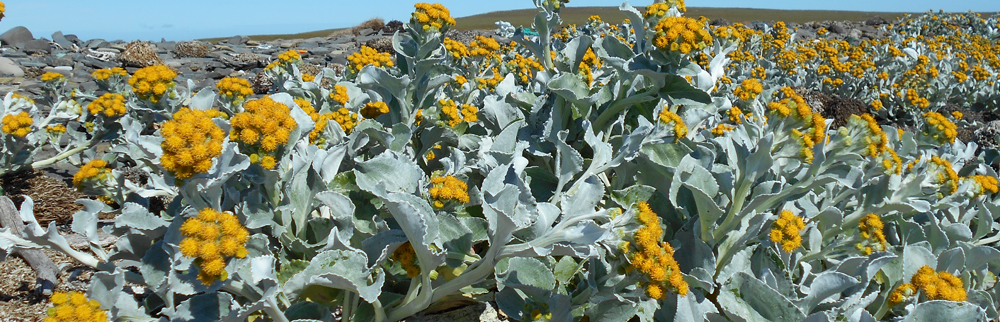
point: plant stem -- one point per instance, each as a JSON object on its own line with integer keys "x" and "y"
{"x": 64, "y": 155}
{"x": 619, "y": 106}
{"x": 272, "y": 311}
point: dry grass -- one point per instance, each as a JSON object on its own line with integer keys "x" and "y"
{"x": 373, "y": 24}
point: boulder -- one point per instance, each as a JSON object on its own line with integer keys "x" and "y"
{"x": 10, "y": 68}
{"x": 837, "y": 28}
{"x": 16, "y": 36}
{"x": 58, "y": 38}
{"x": 37, "y": 46}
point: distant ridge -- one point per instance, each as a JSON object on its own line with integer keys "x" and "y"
{"x": 579, "y": 15}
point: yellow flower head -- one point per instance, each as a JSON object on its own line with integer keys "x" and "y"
{"x": 749, "y": 89}
{"x": 938, "y": 285}
{"x": 339, "y": 94}
{"x": 74, "y": 307}
{"x": 190, "y": 141}
{"x": 109, "y": 105}
{"x": 52, "y": 76}
{"x": 95, "y": 170}
{"x": 448, "y": 188}
{"x": 151, "y": 83}
{"x": 344, "y": 117}
{"x": 652, "y": 257}
{"x": 407, "y": 259}
{"x": 985, "y": 184}
{"x": 457, "y": 49}
{"x": 940, "y": 128}
{"x": 786, "y": 231}
{"x": 55, "y": 130}
{"x": 454, "y": 115}
{"x": 432, "y": 17}
{"x": 681, "y": 34}
{"x": 234, "y": 89}
{"x": 657, "y": 10}
{"x": 265, "y": 124}
{"x": 946, "y": 174}
{"x": 667, "y": 117}
{"x": 870, "y": 228}
{"x": 372, "y": 110}
{"x": 368, "y": 56}
{"x": 211, "y": 238}
{"x": 18, "y": 125}
{"x": 106, "y": 74}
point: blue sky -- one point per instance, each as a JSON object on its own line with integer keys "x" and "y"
{"x": 190, "y": 19}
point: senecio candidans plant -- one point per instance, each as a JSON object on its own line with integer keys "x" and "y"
{"x": 234, "y": 89}
{"x": 263, "y": 128}
{"x": 75, "y": 307}
{"x": 151, "y": 83}
{"x": 18, "y": 125}
{"x": 108, "y": 105}
{"x": 650, "y": 169}
{"x": 211, "y": 237}
{"x": 190, "y": 142}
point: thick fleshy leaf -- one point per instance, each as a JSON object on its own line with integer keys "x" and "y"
{"x": 337, "y": 269}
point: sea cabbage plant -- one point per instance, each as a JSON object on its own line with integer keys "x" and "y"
{"x": 605, "y": 173}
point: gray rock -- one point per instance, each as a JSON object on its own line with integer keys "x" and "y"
{"x": 805, "y": 34}
{"x": 89, "y": 86}
{"x": 16, "y": 36}
{"x": 854, "y": 33}
{"x": 33, "y": 64}
{"x": 97, "y": 43}
{"x": 288, "y": 44}
{"x": 215, "y": 75}
{"x": 59, "y": 61}
{"x": 97, "y": 64}
{"x": 307, "y": 45}
{"x": 15, "y": 54}
{"x": 320, "y": 51}
{"x": 337, "y": 59}
{"x": 9, "y": 68}
{"x": 109, "y": 49}
{"x": 345, "y": 39}
{"x": 37, "y": 46}
{"x": 365, "y": 39}
{"x": 238, "y": 40}
{"x": 365, "y": 32}
{"x": 253, "y": 43}
{"x": 58, "y": 38}
{"x": 73, "y": 38}
{"x": 837, "y": 28}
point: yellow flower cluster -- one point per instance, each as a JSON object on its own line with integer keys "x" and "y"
{"x": 876, "y": 139}
{"x": 749, "y": 89}
{"x": 74, "y": 307}
{"x": 455, "y": 48}
{"x": 914, "y": 98}
{"x": 448, "y": 188}
{"x": 407, "y": 258}
{"x": 940, "y": 128}
{"x": 368, "y": 56}
{"x": 456, "y": 116}
{"x": 210, "y": 238}
{"x": 265, "y": 123}
{"x": 793, "y": 104}
{"x": 152, "y": 82}
{"x": 870, "y": 229}
{"x": 432, "y": 17}
{"x": 654, "y": 257}
{"x": 985, "y": 183}
{"x": 234, "y": 89}
{"x": 680, "y": 129}
{"x": 3, "y": 10}
{"x": 190, "y": 141}
{"x": 734, "y": 115}
{"x": 681, "y": 34}
{"x": 26, "y": 99}
{"x": 52, "y": 76}
{"x": 787, "y": 231}
{"x": 95, "y": 170}
{"x": 339, "y": 94}
{"x": 109, "y": 104}
{"x": 372, "y": 110}
{"x": 57, "y": 129}
{"x": 491, "y": 83}
{"x": 657, "y": 10}
{"x": 483, "y": 46}
{"x": 18, "y": 125}
{"x": 877, "y": 105}
{"x": 105, "y": 74}
{"x": 721, "y": 129}
{"x": 285, "y": 59}
{"x": 934, "y": 285}
{"x": 589, "y": 62}
{"x": 525, "y": 67}
{"x": 308, "y": 78}
{"x": 947, "y": 176}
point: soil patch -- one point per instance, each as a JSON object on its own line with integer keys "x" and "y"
{"x": 840, "y": 109}
{"x": 54, "y": 199}
{"x": 19, "y": 302}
